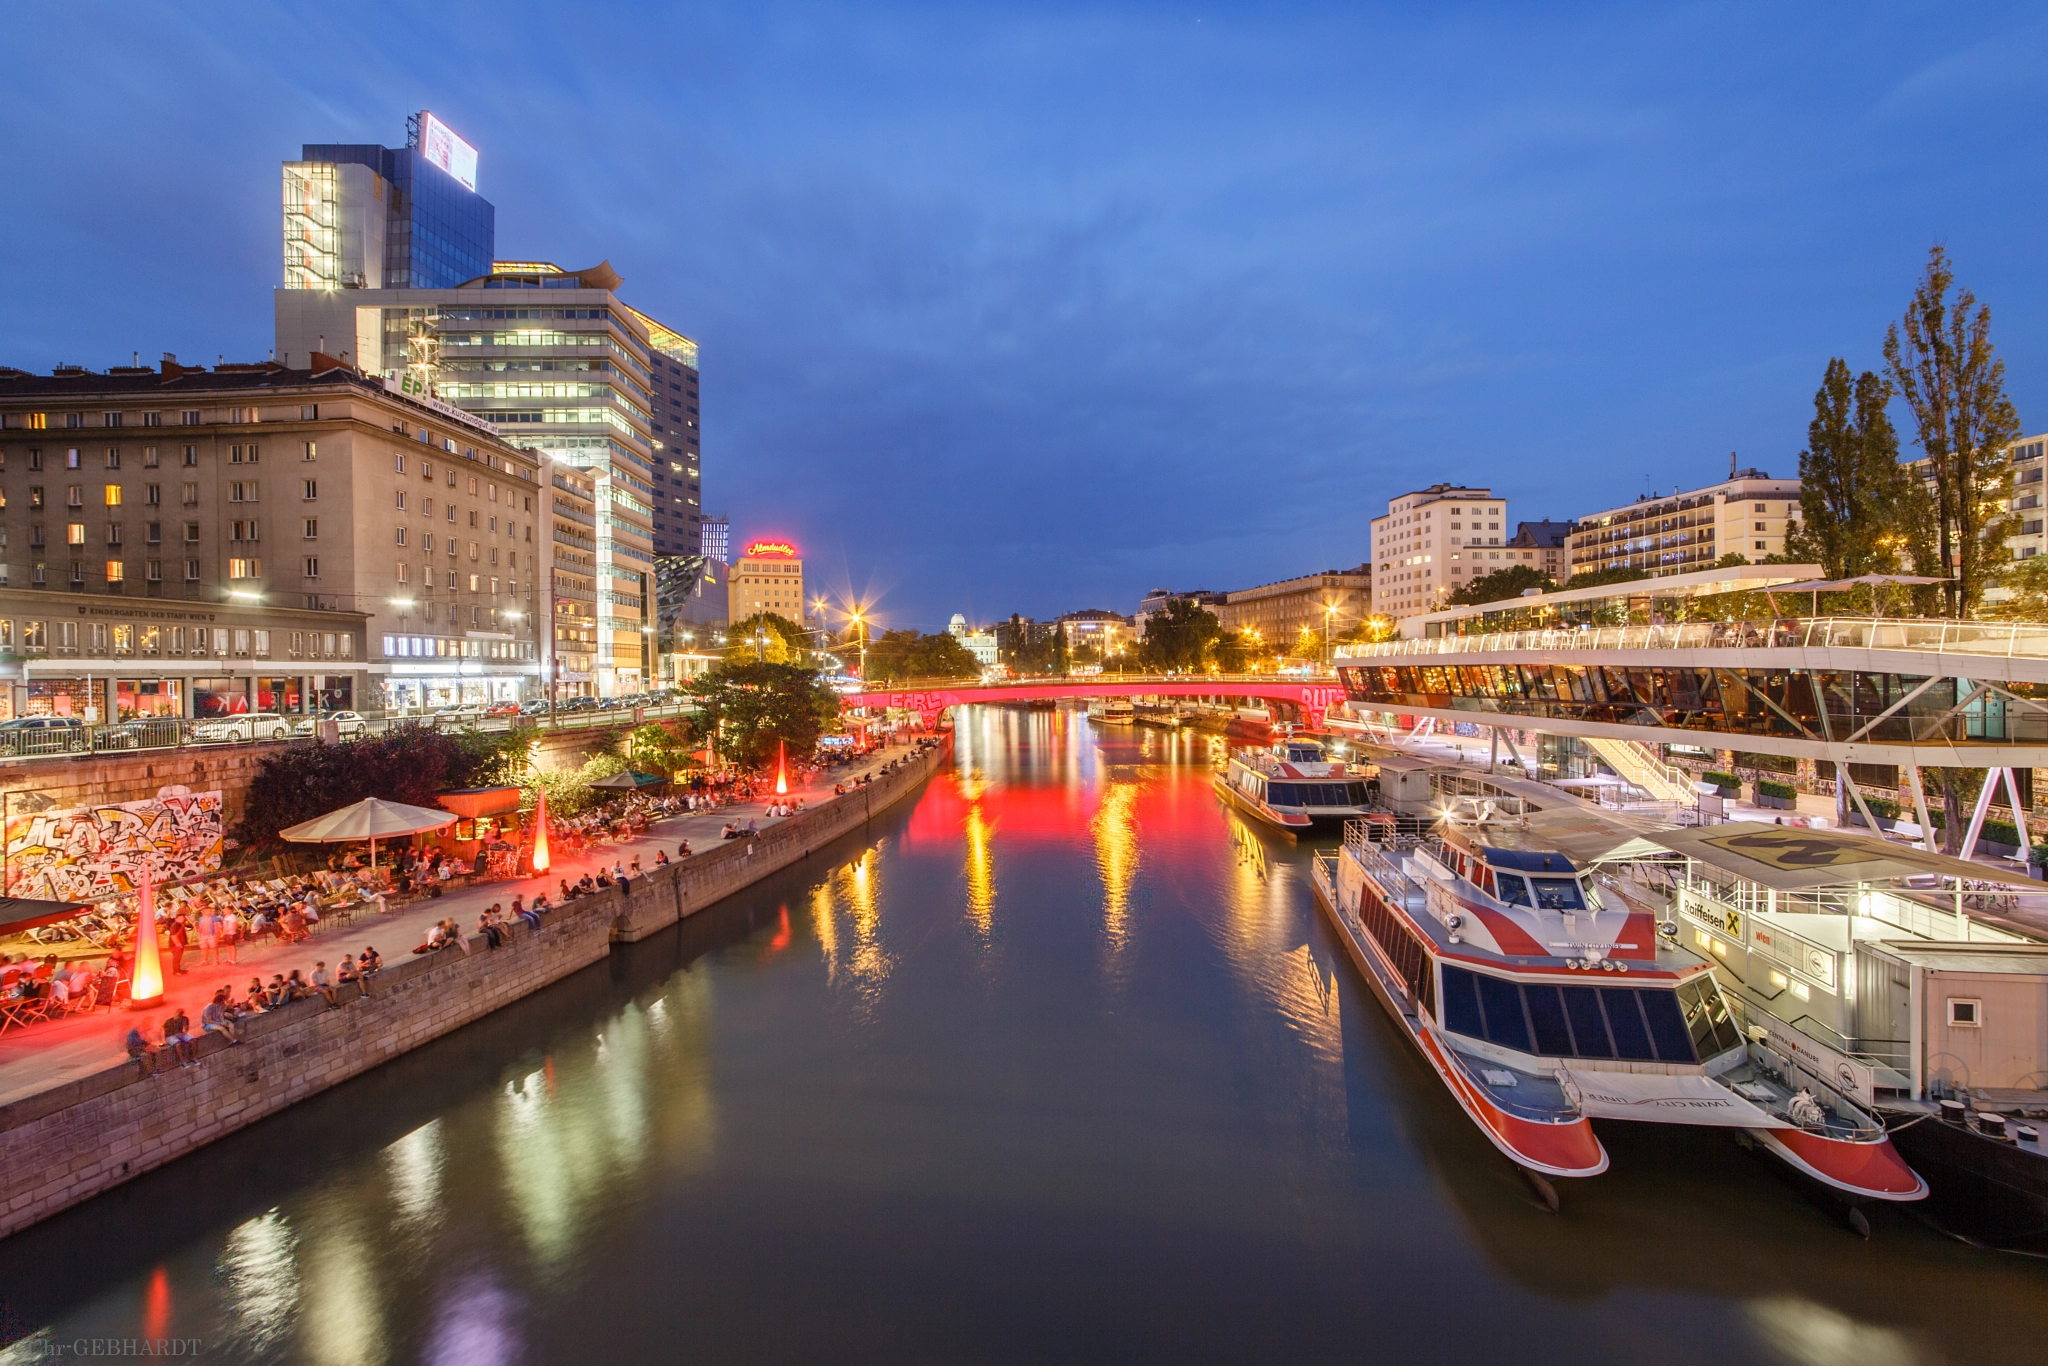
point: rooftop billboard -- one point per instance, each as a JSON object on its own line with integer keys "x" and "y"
{"x": 440, "y": 146}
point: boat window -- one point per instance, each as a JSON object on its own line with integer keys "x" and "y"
{"x": 1502, "y": 1002}
{"x": 1625, "y": 1019}
{"x": 1461, "y": 1004}
{"x": 1546, "y": 1015}
{"x": 1589, "y": 1029}
{"x": 1558, "y": 894}
{"x": 1513, "y": 889}
{"x": 1667, "y": 1027}
{"x": 1283, "y": 794}
{"x": 1698, "y": 1021}
{"x": 1726, "y": 1035}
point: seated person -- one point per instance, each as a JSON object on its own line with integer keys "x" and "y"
{"x": 141, "y": 1050}
{"x": 178, "y": 1037}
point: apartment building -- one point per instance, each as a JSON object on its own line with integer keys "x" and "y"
{"x": 1543, "y": 546}
{"x": 1278, "y": 613}
{"x": 260, "y": 537}
{"x": 2028, "y": 456}
{"x": 1432, "y": 542}
{"x": 1748, "y": 514}
{"x": 768, "y": 578}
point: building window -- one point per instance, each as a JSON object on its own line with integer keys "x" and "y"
{"x": 404, "y": 574}
{"x": 152, "y": 419}
{"x": 401, "y": 497}
{"x": 191, "y": 533}
{"x": 191, "y": 455}
{"x": 1965, "y": 1012}
{"x": 312, "y": 450}
{"x": 74, "y": 533}
{"x": 110, "y": 419}
{"x": 124, "y": 640}
{"x": 312, "y": 491}
{"x": 189, "y": 418}
{"x": 192, "y": 570}
{"x": 312, "y": 566}
{"x": 309, "y": 412}
{"x": 312, "y": 528}
{"x": 113, "y": 495}
{"x": 113, "y": 457}
{"x": 153, "y": 495}
{"x": 116, "y": 571}
{"x": 401, "y": 536}
{"x": 262, "y": 641}
{"x": 245, "y": 569}
{"x": 191, "y": 495}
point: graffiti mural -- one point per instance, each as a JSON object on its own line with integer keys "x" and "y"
{"x": 90, "y": 852}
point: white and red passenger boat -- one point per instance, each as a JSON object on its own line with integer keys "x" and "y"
{"x": 1294, "y": 785}
{"x": 1544, "y": 1000}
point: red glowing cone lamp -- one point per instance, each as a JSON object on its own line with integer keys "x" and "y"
{"x": 148, "y": 987}
{"x": 541, "y": 860}
{"x": 781, "y": 771}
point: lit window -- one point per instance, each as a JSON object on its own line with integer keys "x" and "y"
{"x": 113, "y": 495}
{"x": 116, "y": 571}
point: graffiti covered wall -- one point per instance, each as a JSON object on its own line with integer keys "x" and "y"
{"x": 97, "y": 851}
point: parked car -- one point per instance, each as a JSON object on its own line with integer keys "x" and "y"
{"x": 350, "y": 723}
{"x": 251, "y": 725}
{"x": 41, "y": 735}
{"x": 535, "y": 708}
{"x": 576, "y": 704}
{"x": 139, "y": 733}
{"x": 468, "y": 714}
{"x": 502, "y": 709}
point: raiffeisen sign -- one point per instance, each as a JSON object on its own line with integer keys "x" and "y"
{"x": 781, "y": 550}
{"x": 440, "y": 146}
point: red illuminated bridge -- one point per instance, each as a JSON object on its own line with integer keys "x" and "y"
{"x": 1311, "y": 697}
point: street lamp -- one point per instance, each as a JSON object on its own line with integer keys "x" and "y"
{"x": 1329, "y": 620}
{"x": 860, "y": 622}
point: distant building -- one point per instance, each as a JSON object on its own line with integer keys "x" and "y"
{"x": 1279, "y": 612}
{"x": 1747, "y": 514}
{"x": 718, "y": 537}
{"x": 362, "y": 216}
{"x": 1432, "y": 542}
{"x": 768, "y": 578}
{"x": 1098, "y": 629}
{"x": 1156, "y": 600}
{"x": 2028, "y": 537}
{"x": 980, "y": 644}
{"x": 1543, "y": 546}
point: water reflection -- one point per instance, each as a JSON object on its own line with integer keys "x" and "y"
{"x": 720, "y": 1143}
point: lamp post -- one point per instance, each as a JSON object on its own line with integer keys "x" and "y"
{"x": 860, "y": 623}
{"x": 1329, "y": 624}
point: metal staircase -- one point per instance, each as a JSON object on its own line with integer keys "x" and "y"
{"x": 1637, "y": 765}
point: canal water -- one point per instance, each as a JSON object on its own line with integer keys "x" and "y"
{"x": 1057, "y": 1063}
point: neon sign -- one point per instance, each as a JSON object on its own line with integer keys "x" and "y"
{"x": 779, "y": 549}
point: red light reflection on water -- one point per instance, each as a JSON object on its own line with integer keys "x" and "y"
{"x": 156, "y": 1305}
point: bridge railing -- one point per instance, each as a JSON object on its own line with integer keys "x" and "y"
{"x": 1979, "y": 639}
{"x": 1080, "y": 682}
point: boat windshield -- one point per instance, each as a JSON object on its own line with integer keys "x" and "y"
{"x": 1514, "y": 891}
{"x": 1559, "y": 894}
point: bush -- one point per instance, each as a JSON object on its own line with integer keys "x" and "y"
{"x": 1765, "y": 787}
{"x": 410, "y": 763}
{"x": 2038, "y": 856}
{"x": 1727, "y": 782}
{"x": 1880, "y": 806}
{"x": 2000, "y": 832}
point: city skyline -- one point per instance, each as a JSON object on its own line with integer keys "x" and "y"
{"x": 1096, "y": 267}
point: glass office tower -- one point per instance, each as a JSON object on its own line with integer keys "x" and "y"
{"x": 361, "y": 216}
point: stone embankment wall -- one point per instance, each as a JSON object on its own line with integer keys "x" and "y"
{"x": 118, "y": 777}
{"x": 69, "y": 1143}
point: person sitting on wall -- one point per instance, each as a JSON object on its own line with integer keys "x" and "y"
{"x": 178, "y": 1037}
{"x": 214, "y": 1019}
{"x": 661, "y": 858}
{"x": 141, "y": 1051}
{"x": 369, "y": 966}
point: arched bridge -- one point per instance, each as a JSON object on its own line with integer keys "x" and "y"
{"x": 1312, "y": 696}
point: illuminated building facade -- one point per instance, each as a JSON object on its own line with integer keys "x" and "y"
{"x": 769, "y": 577}
{"x": 1432, "y": 542}
{"x": 362, "y": 216}
{"x": 1747, "y": 514}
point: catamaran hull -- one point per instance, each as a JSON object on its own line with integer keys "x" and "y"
{"x": 1873, "y": 1171}
{"x": 1568, "y": 1149}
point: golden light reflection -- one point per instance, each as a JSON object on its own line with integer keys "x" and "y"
{"x": 343, "y": 1319}
{"x": 825, "y": 928}
{"x": 1116, "y": 858}
{"x": 413, "y": 1175}
{"x": 258, "y": 1272}
{"x": 981, "y": 872}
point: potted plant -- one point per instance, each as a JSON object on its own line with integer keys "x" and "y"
{"x": 1729, "y": 784}
{"x": 1776, "y": 796}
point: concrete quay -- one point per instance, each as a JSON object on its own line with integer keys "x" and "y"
{"x": 77, "y": 1118}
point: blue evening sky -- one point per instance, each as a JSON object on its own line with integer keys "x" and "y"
{"x": 1032, "y": 309}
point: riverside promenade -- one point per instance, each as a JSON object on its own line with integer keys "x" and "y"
{"x": 77, "y": 1117}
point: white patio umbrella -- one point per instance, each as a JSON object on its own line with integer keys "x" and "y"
{"x": 372, "y": 819}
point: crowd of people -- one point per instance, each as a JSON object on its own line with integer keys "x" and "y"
{"x": 206, "y": 925}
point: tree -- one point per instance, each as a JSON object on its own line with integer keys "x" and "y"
{"x": 413, "y": 764}
{"x": 1233, "y": 652}
{"x": 2027, "y": 581}
{"x": 765, "y": 637}
{"x": 747, "y": 707}
{"x": 1597, "y": 578}
{"x": 908, "y": 654}
{"x": 1179, "y": 637}
{"x": 1059, "y": 650}
{"x": 665, "y": 747}
{"x": 1501, "y": 584}
{"x": 1941, "y": 359}
{"x": 1854, "y": 496}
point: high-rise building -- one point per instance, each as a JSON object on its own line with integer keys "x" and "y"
{"x": 1747, "y": 514}
{"x": 363, "y": 216}
{"x": 717, "y": 537}
{"x": 768, "y": 578}
{"x": 565, "y": 369}
{"x": 1430, "y": 543}
{"x": 678, "y": 499}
